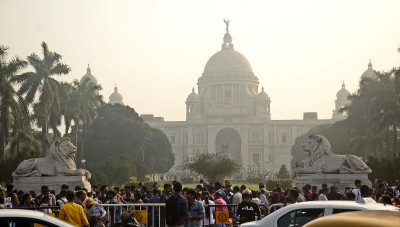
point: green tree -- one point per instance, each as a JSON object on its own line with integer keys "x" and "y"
{"x": 14, "y": 114}
{"x": 41, "y": 82}
{"x": 119, "y": 131}
{"x": 375, "y": 113}
{"x": 84, "y": 99}
{"x": 283, "y": 172}
{"x": 158, "y": 154}
{"x": 213, "y": 167}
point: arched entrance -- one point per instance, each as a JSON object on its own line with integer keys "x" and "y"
{"x": 228, "y": 142}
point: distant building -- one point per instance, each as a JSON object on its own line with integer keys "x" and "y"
{"x": 116, "y": 97}
{"x": 88, "y": 76}
{"x": 230, "y": 116}
{"x": 340, "y": 102}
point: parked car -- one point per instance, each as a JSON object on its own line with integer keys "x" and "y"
{"x": 299, "y": 214}
{"x": 380, "y": 218}
{"x": 29, "y": 218}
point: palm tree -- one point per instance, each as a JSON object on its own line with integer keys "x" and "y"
{"x": 13, "y": 110}
{"x": 84, "y": 101}
{"x": 387, "y": 106}
{"x": 41, "y": 82}
{"x": 375, "y": 109}
{"x": 69, "y": 108}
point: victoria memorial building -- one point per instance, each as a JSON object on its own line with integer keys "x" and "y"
{"x": 230, "y": 115}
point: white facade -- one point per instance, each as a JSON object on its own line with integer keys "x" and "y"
{"x": 230, "y": 116}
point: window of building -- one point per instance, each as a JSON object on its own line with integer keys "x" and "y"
{"x": 271, "y": 138}
{"x": 255, "y": 137}
{"x": 172, "y": 139}
{"x": 227, "y": 93}
{"x": 267, "y": 156}
{"x": 200, "y": 138}
{"x": 284, "y": 139}
{"x": 256, "y": 157}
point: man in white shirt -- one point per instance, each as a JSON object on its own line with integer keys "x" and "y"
{"x": 356, "y": 190}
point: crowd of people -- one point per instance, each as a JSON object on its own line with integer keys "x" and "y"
{"x": 189, "y": 207}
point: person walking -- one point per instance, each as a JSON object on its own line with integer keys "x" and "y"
{"x": 176, "y": 207}
{"x": 248, "y": 210}
{"x": 72, "y": 212}
{"x": 196, "y": 210}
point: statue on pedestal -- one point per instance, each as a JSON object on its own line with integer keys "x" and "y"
{"x": 319, "y": 158}
{"x": 59, "y": 161}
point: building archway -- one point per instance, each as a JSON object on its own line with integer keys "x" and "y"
{"x": 228, "y": 142}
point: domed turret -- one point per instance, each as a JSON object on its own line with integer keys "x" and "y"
{"x": 342, "y": 100}
{"x": 343, "y": 93}
{"x": 88, "y": 76}
{"x": 116, "y": 97}
{"x": 262, "y": 96}
{"x": 369, "y": 73}
{"x": 263, "y": 103}
{"x": 192, "y": 106}
{"x": 193, "y": 97}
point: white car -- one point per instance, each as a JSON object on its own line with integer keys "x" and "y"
{"x": 31, "y": 218}
{"x": 298, "y": 214}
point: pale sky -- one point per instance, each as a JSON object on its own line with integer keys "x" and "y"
{"x": 301, "y": 51}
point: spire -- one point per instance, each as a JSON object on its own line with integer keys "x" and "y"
{"x": 343, "y": 86}
{"x": 115, "y": 88}
{"x": 227, "y": 44}
{"x": 88, "y": 71}
{"x": 193, "y": 90}
{"x": 262, "y": 89}
{"x": 369, "y": 64}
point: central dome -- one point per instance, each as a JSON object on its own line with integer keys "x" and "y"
{"x": 227, "y": 60}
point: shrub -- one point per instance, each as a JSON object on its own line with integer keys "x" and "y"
{"x": 283, "y": 183}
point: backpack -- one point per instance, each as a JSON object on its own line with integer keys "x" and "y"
{"x": 172, "y": 211}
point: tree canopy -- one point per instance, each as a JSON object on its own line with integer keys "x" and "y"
{"x": 214, "y": 167}
{"x": 113, "y": 139}
{"x": 118, "y": 131}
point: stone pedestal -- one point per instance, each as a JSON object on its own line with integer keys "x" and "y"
{"x": 340, "y": 180}
{"x": 33, "y": 183}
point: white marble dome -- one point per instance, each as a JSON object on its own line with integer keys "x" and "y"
{"x": 116, "y": 97}
{"x": 89, "y": 76}
{"x": 369, "y": 73}
{"x": 227, "y": 60}
{"x": 262, "y": 96}
{"x": 193, "y": 97}
{"x": 343, "y": 93}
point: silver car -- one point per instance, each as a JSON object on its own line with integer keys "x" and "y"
{"x": 20, "y": 217}
{"x": 298, "y": 214}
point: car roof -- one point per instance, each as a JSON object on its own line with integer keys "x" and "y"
{"x": 23, "y": 213}
{"x": 336, "y": 204}
{"x": 380, "y": 218}
{"x": 344, "y": 204}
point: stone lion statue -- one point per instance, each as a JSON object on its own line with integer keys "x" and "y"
{"x": 320, "y": 159}
{"x": 59, "y": 160}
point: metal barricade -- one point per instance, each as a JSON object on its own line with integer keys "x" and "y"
{"x": 275, "y": 207}
{"x": 147, "y": 214}
{"x": 153, "y": 214}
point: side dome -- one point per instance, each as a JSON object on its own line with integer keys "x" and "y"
{"x": 193, "y": 97}
{"x": 116, "y": 97}
{"x": 262, "y": 96}
{"x": 369, "y": 73}
{"x": 227, "y": 60}
{"x": 343, "y": 93}
{"x": 88, "y": 76}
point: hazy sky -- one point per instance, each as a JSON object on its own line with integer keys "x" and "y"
{"x": 155, "y": 51}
